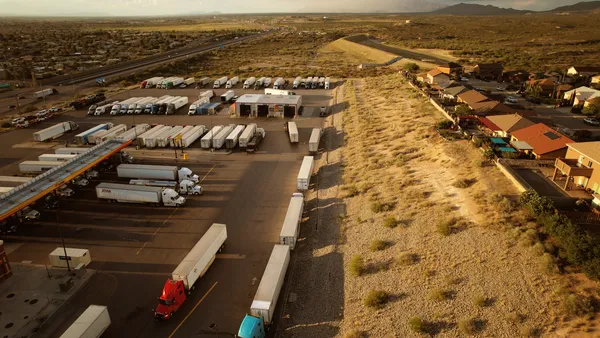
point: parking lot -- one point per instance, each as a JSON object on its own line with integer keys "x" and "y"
{"x": 135, "y": 247}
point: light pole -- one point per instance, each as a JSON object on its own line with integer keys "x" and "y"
{"x": 62, "y": 239}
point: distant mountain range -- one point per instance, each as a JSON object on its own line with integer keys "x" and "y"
{"x": 489, "y": 10}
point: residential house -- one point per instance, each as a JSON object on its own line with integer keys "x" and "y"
{"x": 580, "y": 95}
{"x": 483, "y": 105}
{"x": 543, "y": 142}
{"x": 585, "y": 71}
{"x": 489, "y": 126}
{"x": 581, "y": 166}
{"x": 436, "y": 76}
{"x": 451, "y": 93}
{"x": 451, "y": 68}
{"x": 560, "y": 90}
{"x": 546, "y": 86}
{"x": 509, "y": 123}
{"x": 488, "y": 70}
{"x": 595, "y": 79}
{"x": 422, "y": 77}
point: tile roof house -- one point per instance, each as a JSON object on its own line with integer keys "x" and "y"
{"x": 595, "y": 79}
{"x": 422, "y": 77}
{"x": 489, "y": 125}
{"x": 452, "y": 93}
{"x": 436, "y": 76}
{"x": 546, "y": 142}
{"x": 483, "y": 105}
{"x": 583, "y": 70}
{"x": 581, "y": 165}
{"x": 451, "y": 68}
{"x": 579, "y": 96}
{"x": 546, "y": 86}
{"x": 491, "y": 70}
{"x": 509, "y": 124}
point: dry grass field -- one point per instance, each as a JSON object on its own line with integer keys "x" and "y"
{"x": 194, "y": 27}
{"x": 354, "y": 53}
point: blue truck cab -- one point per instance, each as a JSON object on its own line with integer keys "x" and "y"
{"x": 252, "y": 327}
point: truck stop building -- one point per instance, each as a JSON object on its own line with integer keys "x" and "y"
{"x": 257, "y": 105}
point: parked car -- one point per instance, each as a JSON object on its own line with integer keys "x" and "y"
{"x": 53, "y": 109}
{"x": 464, "y": 79}
{"x": 511, "y": 99}
{"x": 65, "y": 191}
{"x": 30, "y": 214}
{"x": 501, "y": 89}
{"x": 592, "y": 121}
{"x": 18, "y": 120}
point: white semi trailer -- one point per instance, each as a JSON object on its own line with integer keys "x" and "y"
{"x": 56, "y": 157}
{"x": 175, "y": 137}
{"x": 142, "y": 137}
{"x": 291, "y": 223}
{"x": 90, "y": 324}
{"x": 249, "y": 82}
{"x": 306, "y": 169}
{"x": 232, "y": 139}
{"x": 232, "y": 82}
{"x": 71, "y": 151}
{"x": 219, "y": 82}
{"x": 292, "y": 132}
{"x": 55, "y": 131}
{"x": 156, "y": 172}
{"x": 278, "y": 84}
{"x": 206, "y": 141}
{"x": 37, "y": 167}
{"x": 247, "y": 135}
{"x": 259, "y": 83}
{"x": 297, "y": 82}
{"x": 126, "y": 193}
{"x": 219, "y": 139}
{"x": 150, "y": 140}
{"x": 315, "y": 139}
{"x": 173, "y": 106}
{"x": 132, "y": 133}
{"x": 191, "y": 136}
{"x": 82, "y": 138}
{"x": 112, "y": 133}
{"x": 166, "y": 141}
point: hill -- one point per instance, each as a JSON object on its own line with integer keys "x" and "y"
{"x": 580, "y": 6}
{"x": 474, "y": 9}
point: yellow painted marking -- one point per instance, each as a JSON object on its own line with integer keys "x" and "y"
{"x": 157, "y": 230}
{"x": 194, "y": 309}
{"x": 211, "y": 169}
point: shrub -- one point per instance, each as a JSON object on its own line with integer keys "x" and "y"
{"x": 480, "y": 301}
{"x": 444, "y": 124}
{"x": 352, "y": 191}
{"x": 354, "y": 334}
{"x": 439, "y": 295}
{"x": 467, "y": 326}
{"x": 536, "y": 204}
{"x": 506, "y": 205}
{"x": 376, "y": 299}
{"x": 547, "y": 263}
{"x": 376, "y": 207}
{"x": 390, "y": 222}
{"x": 406, "y": 259}
{"x": 417, "y": 325}
{"x": 378, "y": 245}
{"x": 463, "y": 183}
{"x": 411, "y": 67}
{"x": 539, "y": 249}
{"x": 577, "y": 305}
{"x": 528, "y": 332}
{"x": 357, "y": 265}
{"x": 445, "y": 226}
{"x": 515, "y": 318}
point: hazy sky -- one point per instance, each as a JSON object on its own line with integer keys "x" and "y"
{"x": 173, "y": 7}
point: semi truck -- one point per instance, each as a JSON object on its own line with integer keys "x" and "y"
{"x": 315, "y": 83}
{"x": 82, "y": 138}
{"x": 90, "y": 324}
{"x": 267, "y": 82}
{"x": 206, "y": 141}
{"x": 187, "y": 82}
{"x": 306, "y": 169}
{"x": 249, "y": 82}
{"x": 219, "y": 139}
{"x": 308, "y": 82}
{"x": 100, "y": 110}
{"x": 315, "y": 138}
{"x": 111, "y": 133}
{"x": 55, "y": 157}
{"x": 327, "y": 83}
{"x": 210, "y": 108}
{"x": 321, "y": 82}
{"x": 247, "y": 135}
{"x": 232, "y": 82}
{"x": 37, "y": 167}
{"x": 193, "y": 109}
{"x": 159, "y": 104}
{"x": 141, "y": 105}
{"x": 255, "y": 141}
{"x": 121, "y": 107}
{"x": 190, "y": 137}
{"x": 203, "y": 81}
{"x": 278, "y": 84}
{"x": 292, "y": 130}
{"x": 151, "y": 82}
{"x": 45, "y": 92}
{"x": 259, "y": 83}
{"x": 185, "y": 187}
{"x": 156, "y": 172}
{"x": 55, "y": 131}
{"x": 163, "y": 83}
{"x": 297, "y": 82}
{"x": 151, "y": 103}
{"x": 174, "y": 105}
{"x": 162, "y": 109}
{"x": 193, "y": 266}
{"x": 291, "y": 223}
{"x": 219, "y": 82}
{"x": 126, "y": 193}
{"x": 174, "y": 82}
{"x": 227, "y": 96}
{"x": 232, "y": 139}
{"x": 132, "y": 133}
{"x": 263, "y": 305}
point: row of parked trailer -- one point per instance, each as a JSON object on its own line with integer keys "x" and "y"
{"x": 165, "y": 104}
{"x": 172, "y": 82}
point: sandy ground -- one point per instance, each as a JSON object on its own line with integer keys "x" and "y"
{"x": 354, "y": 52}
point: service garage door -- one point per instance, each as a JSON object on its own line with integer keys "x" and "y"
{"x": 289, "y": 111}
{"x": 263, "y": 110}
{"x": 245, "y": 109}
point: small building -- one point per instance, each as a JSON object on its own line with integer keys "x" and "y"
{"x": 545, "y": 142}
{"x": 585, "y": 71}
{"x": 509, "y": 123}
{"x": 546, "y": 86}
{"x": 452, "y": 93}
{"x": 488, "y": 70}
{"x": 579, "y": 96}
{"x": 595, "y": 79}
{"x": 581, "y": 166}
{"x": 451, "y": 68}
{"x": 422, "y": 77}
{"x": 436, "y": 76}
{"x": 258, "y": 105}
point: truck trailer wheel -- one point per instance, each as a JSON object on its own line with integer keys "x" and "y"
{"x": 222, "y": 248}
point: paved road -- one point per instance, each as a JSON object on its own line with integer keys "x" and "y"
{"x": 138, "y": 246}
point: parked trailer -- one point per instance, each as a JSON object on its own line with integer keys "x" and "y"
{"x": 278, "y": 84}
{"x": 305, "y": 173}
{"x": 211, "y": 108}
{"x": 165, "y": 105}
{"x": 255, "y": 141}
{"x": 191, "y": 136}
{"x": 327, "y": 83}
{"x": 291, "y": 223}
{"x": 193, "y": 108}
{"x": 116, "y": 108}
{"x": 156, "y": 172}
{"x": 91, "y": 324}
{"x": 232, "y": 82}
{"x": 132, "y": 133}
{"x": 174, "y": 82}
{"x": 271, "y": 91}
{"x": 4, "y": 190}
{"x": 37, "y": 167}
{"x": 247, "y": 135}
{"x": 75, "y": 256}
{"x": 14, "y": 180}
{"x": 184, "y": 187}
{"x": 203, "y": 81}
{"x": 150, "y": 140}
{"x": 308, "y": 82}
{"x": 193, "y": 266}
{"x": 142, "y": 137}
{"x": 153, "y": 81}
{"x": 321, "y": 82}
{"x": 208, "y": 94}
{"x": 227, "y": 96}
{"x": 56, "y": 157}
{"x": 297, "y": 82}
{"x": 126, "y": 193}
{"x": 112, "y": 133}
{"x": 124, "y": 106}
{"x": 141, "y": 105}
{"x": 160, "y": 104}
{"x": 45, "y": 92}
{"x": 267, "y": 82}
{"x": 151, "y": 103}
{"x": 82, "y": 138}
{"x": 315, "y": 138}
{"x": 165, "y": 140}
{"x": 71, "y": 151}
{"x": 263, "y": 306}
{"x": 104, "y": 109}
{"x": 163, "y": 84}
{"x": 219, "y": 82}
{"x": 259, "y": 83}
{"x": 173, "y": 106}
{"x": 219, "y": 139}
{"x": 206, "y": 141}
{"x": 187, "y": 82}
{"x": 232, "y": 139}
{"x": 55, "y": 131}
{"x": 249, "y": 82}
{"x": 174, "y": 139}
{"x": 292, "y": 131}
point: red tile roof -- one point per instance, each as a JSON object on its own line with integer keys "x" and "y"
{"x": 434, "y": 72}
{"x": 489, "y": 124}
{"x": 542, "y": 138}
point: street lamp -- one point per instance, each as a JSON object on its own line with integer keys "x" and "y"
{"x": 62, "y": 239}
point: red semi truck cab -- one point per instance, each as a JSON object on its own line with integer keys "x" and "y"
{"x": 173, "y": 295}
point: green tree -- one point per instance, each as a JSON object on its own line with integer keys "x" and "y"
{"x": 411, "y": 67}
{"x": 534, "y": 90}
{"x": 591, "y": 109}
{"x": 462, "y": 110}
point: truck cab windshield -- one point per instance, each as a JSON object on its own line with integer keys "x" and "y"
{"x": 165, "y": 301}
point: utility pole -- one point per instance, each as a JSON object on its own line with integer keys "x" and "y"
{"x": 62, "y": 239}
